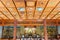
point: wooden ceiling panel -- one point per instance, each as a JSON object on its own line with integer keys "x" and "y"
{"x": 12, "y": 9}
{"x": 19, "y": 4}
{"x": 30, "y": 16}
{"x": 44, "y": 8}
{"x": 30, "y": 3}
{"x": 19, "y": 8}
{"x": 30, "y": 12}
{"x": 4, "y": 17}
{"x": 41, "y": 3}
{"x": 3, "y": 9}
{"x": 52, "y": 14}
{"x": 8, "y": 3}
{"x": 37, "y": 13}
{"x": 42, "y": 0}
{"x": 45, "y": 14}
{"x": 6, "y": 7}
{"x": 48, "y": 9}
{"x": 52, "y": 10}
{"x": 56, "y": 16}
{"x": 15, "y": 14}
{"x": 8, "y": 14}
{"x": 36, "y": 17}
{"x": 30, "y": 0}
{"x": 30, "y": 9}
{"x": 57, "y": 9}
{"x": 1, "y": 4}
{"x": 43, "y": 17}
{"x": 52, "y": 3}
{"x": 18, "y": 0}
{"x": 58, "y": 5}
{"x": 23, "y": 15}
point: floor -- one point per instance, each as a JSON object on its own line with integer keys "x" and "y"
{"x": 29, "y": 39}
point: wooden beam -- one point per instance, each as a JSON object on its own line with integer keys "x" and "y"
{"x": 35, "y": 8}
{"x": 7, "y": 9}
{"x": 54, "y": 15}
{"x": 16, "y": 8}
{"x": 33, "y": 22}
{"x": 4, "y": 15}
{"x": 26, "y": 10}
{"x": 52, "y": 10}
{"x": 44, "y": 8}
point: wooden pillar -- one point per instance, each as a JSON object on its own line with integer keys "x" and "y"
{"x": 57, "y": 29}
{"x": 2, "y": 27}
{"x": 14, "y": 34}
{"x": 45, "y": 30}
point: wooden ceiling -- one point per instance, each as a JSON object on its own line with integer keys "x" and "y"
{"x": 29, "y": 9}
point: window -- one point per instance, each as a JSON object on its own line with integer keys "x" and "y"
{"x": 52, "y": 32}
{"x": 8, "y": 32}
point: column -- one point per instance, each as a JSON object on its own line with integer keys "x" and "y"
{"x": 14, "y": 34}
{"x": 57, "y": 29}
{"x": 45, "y": 30}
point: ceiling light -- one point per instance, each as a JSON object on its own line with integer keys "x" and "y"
{"x": 21, "y": 9}
{"x": 39, "y": 9}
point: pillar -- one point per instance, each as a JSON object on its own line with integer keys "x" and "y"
{"x": 14, "y": 34}
{"x": 45, "y": 30}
